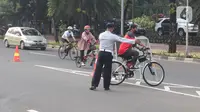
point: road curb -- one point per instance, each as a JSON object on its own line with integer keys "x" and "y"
{"x": 190, "y": 60}
{"x": 53, "y": 46}
{"x": 168, "y": 58}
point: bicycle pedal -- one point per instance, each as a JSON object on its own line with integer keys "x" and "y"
{"x": 135, "y": 68}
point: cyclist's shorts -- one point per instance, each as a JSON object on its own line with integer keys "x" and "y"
{"x": 64, "y": 40}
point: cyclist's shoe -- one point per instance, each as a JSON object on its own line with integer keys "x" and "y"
{"x": 132, "y": 67}
{"x": 66, "y": 51}
{"x": 130, "y": 74}
{"x": 82, "y": 63}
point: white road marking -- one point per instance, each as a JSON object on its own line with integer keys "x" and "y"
{"x": 69, "y": 71}
{"x": 167, "y": 88}
{"x": 172, "y": 84}
{"x": 138, "y": 80}
{"x": 63, "y": 70}
{"x": 198, "y": 92}
{"x": 32, "y": 111}
{"x": 43, "y": 54}
{"x": 138, "y": 83}
{"x": 179, "y": 93}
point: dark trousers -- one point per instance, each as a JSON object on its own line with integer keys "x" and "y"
{"x": 104, "y": 59}
{"x": 82, "y": 54}
{"x": 131, "y": 54}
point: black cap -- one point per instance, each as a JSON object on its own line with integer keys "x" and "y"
{"x": 110, "y": 25}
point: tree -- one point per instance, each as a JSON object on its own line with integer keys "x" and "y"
{"x": 196, "y": 11}
{"x": 8, "y": 11}
{"x": 82, "y": 12}
{"x": 173, "y": 32}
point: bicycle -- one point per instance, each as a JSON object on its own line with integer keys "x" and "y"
{"x": 85, "y": 59}
{"x": 69, "y": 48}
{"x": 129, "y": 73}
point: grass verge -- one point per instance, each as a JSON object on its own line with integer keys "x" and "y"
{"x": 195, "y": 55}
{"x": 1, "y": 37}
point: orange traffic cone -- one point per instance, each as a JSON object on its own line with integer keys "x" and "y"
{"x": 94, "y": 66}
{"x": 16, "y": 55}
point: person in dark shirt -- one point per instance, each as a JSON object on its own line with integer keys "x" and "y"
{"x": 125, "y": 49}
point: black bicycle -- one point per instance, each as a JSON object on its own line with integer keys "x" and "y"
{"x": 148, "y": 65}
{"x": 68, "y": 49}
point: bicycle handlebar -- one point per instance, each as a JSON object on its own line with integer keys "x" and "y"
{"x": 143, "y": 49}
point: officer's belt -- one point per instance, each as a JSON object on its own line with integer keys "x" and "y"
{"x": 106, "y": 51}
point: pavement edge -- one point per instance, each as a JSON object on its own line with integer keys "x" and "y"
{"x": 188, "y": 60}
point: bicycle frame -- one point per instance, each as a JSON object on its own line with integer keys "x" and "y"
{"x": 91, "y": 55}
{"x": 145, "y": 54}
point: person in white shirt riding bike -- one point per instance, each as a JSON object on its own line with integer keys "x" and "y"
{"x": 66, "y": 37}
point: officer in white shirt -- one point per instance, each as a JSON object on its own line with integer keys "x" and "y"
{"x": 107, "y": 40}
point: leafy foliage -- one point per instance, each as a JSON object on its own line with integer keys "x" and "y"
{"x": 7, "y": 10}
{"x": 145, "y": 22}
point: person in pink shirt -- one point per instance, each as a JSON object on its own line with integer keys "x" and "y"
{"x": 86, "y": 40}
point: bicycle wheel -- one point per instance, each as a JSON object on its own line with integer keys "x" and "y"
{"x": 73, "y": 52}
{"x": 118, "y": 73}
{"x": 78, "y": 61}
{"x": 154, "y": 69}
{"x": 93, "y": 62}
{"x": 61, "y": 52}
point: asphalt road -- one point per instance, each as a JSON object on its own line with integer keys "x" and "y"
{"x": 44, "y": 83}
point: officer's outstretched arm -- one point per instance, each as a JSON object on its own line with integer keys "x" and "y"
{"x": 125, "y": 40}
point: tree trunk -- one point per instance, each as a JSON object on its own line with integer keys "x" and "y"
{"x": 125, "y": 11}
{"x": 55, "y": 30}
{"x": 173, "y": 29}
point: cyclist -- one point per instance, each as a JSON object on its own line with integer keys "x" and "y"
{"x": 125, "y": 49}
{"x": 66, "y": 35}
{"x": 85, "y": 42}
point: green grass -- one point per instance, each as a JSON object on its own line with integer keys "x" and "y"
{"x": 1, "y": 37}
{"x": 53, "y": 43}
{"x": 195, "y": 55}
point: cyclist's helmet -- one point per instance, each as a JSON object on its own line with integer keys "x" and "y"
{"x": 132, "y": 26}
{"x": 87, "y": 27}
{"x": 69, "y": 28}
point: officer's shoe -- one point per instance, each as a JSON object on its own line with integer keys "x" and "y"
{"x": 92, "y": 88}
{"x": 107, "y": 89}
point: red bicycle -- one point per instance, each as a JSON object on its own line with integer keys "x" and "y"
{"x": 91, "y": 56}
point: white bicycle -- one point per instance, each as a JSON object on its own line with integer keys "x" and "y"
{"x": 145, "y": 65}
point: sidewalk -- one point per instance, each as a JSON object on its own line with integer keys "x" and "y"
{"x": 179, "y": 47}
{"x": 155, "y": 46}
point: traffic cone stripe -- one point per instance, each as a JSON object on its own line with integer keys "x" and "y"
{"x": 16, "y": 54}
{"x": 94, "y": 66}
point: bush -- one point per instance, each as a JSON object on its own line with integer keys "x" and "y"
{"x": 62, "y": 29}
{"x": 145, "y": 22}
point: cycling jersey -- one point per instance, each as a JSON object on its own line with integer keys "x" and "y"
{"x": 125, "y": 46}
{"x": 68, "y": 34}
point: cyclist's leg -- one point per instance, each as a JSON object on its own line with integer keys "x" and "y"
{"x": 82, "y": 56}
{"x": 88, "y": 52}
{"x": 64, "y": 43}
{"x": 132, "y": 54}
